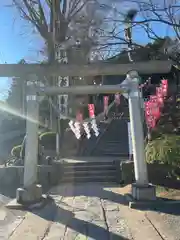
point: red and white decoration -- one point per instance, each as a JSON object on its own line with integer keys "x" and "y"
{"x": 152, "y": 108}
{"x": 76, "y": 126}
{"x": 91, "y": 109}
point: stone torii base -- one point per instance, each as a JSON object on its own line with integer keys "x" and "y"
{"x": 29, "y": 196}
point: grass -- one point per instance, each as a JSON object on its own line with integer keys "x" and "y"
{"x": 169, "y": 193}
{"x": 162, "y": 192}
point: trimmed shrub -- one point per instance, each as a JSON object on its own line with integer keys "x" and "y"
{"x": 15, "y": 152}
{"x": 164, "y": 149}
{"x": 48, "y": 140}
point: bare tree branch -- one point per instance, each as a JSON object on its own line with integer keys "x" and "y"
{"x": 103, "y": 26}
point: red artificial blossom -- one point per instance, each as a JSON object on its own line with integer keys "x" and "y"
{"x": 148, "y": 114}
{"x": 150, "y": 120}
{"x": 154, "y": 106}
{"x": 159, "y": 94}
{"x": 155, "y": 109}
{"x": 164, "y": 82}
{"x": 164, "y": 87}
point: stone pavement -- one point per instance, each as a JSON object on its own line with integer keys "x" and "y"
{"x": 9, "y": 219}
{"x": 88, "y": 213}
{"x": 85, "y": 212}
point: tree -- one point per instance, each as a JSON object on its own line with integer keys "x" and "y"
{"x": 88, "y": 29}
{"x": 151, "y": 16}
{"x": 157, "y": 15}
{"x": 72, "y": 25}
{"x": 107, "y": 19}
{"x": 162, "y": 13}
{"x": 74, "y": 20}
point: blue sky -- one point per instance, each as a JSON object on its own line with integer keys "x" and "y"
{"x": 17, "y": 40}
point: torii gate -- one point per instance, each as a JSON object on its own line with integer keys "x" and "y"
{"x": 141, "y": 189}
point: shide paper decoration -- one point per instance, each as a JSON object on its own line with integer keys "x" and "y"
{"x": 76, "y": 127}
{"x": 87, "y": 129}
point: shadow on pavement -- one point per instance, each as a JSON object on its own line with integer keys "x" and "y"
{"x": 166, "y": 208}
{"x": 100, "y": 191}
{"x": 93, "y": 191}
{"x": 54, "y": 213}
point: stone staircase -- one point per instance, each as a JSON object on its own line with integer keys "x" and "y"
{"x": 90, "y": 171}
{"x": 113, "y": 139}
{"x": 105, "y": 155}
{"x": 100, "y": 160}
{"x": 114, "y": 142}
{"x": 90, "y": 144}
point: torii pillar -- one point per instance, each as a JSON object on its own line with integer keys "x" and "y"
{"x": 31, "y": 191}
{"x": 141, "y": 189}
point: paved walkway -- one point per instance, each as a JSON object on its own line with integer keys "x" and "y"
{"x": 85, "y": 212}
{"x": 9, "y": 219}
{"x": 89, "y": 212}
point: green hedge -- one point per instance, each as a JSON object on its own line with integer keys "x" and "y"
{"x": 48, "y": 140}
{"x": 16, "y": 150}
{"x": 45, "y": 134}
{"x": 164, "y": 149}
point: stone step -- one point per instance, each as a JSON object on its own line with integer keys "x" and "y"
{"x": 96, "y": 171}
{"x": 89, "y": 161}
{"x": 90, "y": 172}
{"x": 118, "y": 147}
{"x": 120, "y": 151}
{"x": 90, "y": 144}
{"x": 96, "y": 179}
{"x": 113, "y": 141}
{"x": 113, "y": 148}
{"x": 82, "y": 168}
{"x": 111, "y": 154}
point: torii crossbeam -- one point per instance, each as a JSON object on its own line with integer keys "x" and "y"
{"x": 95, "y": 69}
